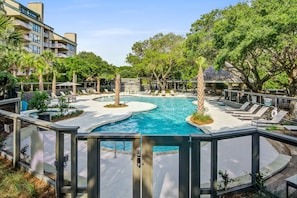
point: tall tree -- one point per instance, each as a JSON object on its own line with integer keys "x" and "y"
{"x": 158, "y": 56}
{"x": 48, "y": 58}
{"x": 200, "y": 61}
{"x": 258, "y": 38}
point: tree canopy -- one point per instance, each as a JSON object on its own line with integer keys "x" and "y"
{"x": 257, "y": 37}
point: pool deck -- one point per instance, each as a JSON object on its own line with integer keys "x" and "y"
{"x": 232, "y": 153}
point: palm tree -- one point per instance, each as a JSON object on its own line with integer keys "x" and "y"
{"x": 40, "y": 67}
{"x": 48, "y": 58}
{"x": 13, "y": 59}
{"x": 200, "y": 85}
{"x": 56, "y": 64}
{"x": 28, "y": 62}
{"x": 117, "y": 90}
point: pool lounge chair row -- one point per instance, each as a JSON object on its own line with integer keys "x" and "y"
{"x": 275, "y": 120}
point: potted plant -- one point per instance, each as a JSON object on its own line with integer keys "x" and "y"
{"x": 39, "y": 101}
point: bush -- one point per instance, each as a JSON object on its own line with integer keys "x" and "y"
{"x": 39, "y": 101}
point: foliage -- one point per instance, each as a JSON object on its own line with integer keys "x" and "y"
{"x": 158, "y": 57}
{"x": 257, "y": 38}
{"x": 226, "y": 179}
{"x": 39, "y": 101}
{"x": 62, "y": 104}
{"x": 260, "y": 181}
{"x": 58, "y": 117}
{"x": 200, "y": 118}
{"x": 272, "y": 128}
{"x": 7, "y": 85}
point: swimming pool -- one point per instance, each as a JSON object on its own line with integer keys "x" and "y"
{"x": 169, "y": 118}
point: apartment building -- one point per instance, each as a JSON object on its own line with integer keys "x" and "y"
{"x": 38, "y": 36}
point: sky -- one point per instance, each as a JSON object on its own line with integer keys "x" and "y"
{"x": 109, "y": 28}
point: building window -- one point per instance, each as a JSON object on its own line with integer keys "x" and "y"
{"x": 29, "y": 13}
{"x": 34, "y": 49}
{"x": 36, "y": 27}
{"x": 35, "y": 38}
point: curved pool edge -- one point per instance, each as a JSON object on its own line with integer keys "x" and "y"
{"x": 149, "y": 107}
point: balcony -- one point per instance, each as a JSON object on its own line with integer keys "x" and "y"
{"x": 61, "y": 55}
{"x": 27, "y": 38}
{"x": 59, "y": 46}
{"x": 45, "y": 34}
{"x": 22, "y": 24}
{"x": 45, "y": 44}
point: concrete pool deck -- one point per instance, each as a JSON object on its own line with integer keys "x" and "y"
{"x": 116, "y": 172}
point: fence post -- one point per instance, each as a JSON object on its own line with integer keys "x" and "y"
{"x": 74, "y": 142}
{"x": 16, "y": 141}
{"x": 196, "y": 174}
{"x": 59, "y": 162}
{"x": 214, "y": 168}
{"x": 255, "y": 156}
{"x": 93, "y": 177}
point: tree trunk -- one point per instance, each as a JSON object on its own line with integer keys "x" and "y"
{"x": 74, "y": 79}
{"x": 117, "y": 91}
{"x": 40, "y": 80}
{"x": 54, "y": 84}
{"x": 200, "y": 92}
{"x": 98, "y": 84}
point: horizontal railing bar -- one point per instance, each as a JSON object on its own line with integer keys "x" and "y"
{"x": 9, "y": 101}
{"x": 227, "y": 134}
{"x": 278, "y": 137}
{"x": 48, "y": 125}
{"x": 119, "y": 136}
{"x": 39, "y": 123}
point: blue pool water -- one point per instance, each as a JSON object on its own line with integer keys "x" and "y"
{"x": 169, "y": 118}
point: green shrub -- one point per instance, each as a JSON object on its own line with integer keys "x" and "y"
{"x": 201, "y": 117}
{"x": 39, "y": 101}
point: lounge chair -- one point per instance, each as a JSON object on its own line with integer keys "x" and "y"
{"x": 257, "y": 115}
{"x": 163, "y": 93}
{"x": 241, "y": 109}
{"x": 156, "y": 93}
{"x": 106, "y": 90}
{"x": 62, "y": 93}
{"x": 84, "y": 92}
{"x": 275, "y": 120}
{"x": 249, "y": 111}
{"x": 172, "y": 92}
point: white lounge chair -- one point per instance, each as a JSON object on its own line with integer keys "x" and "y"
{"x": 163, "y": 93}
{"x": 84, "y": 92}
{"x": 241, "y": 109}
{"x": 275, "y": 120}
{"x": 156, "y": 93}
{"x": 62, "y": 93}
{"x": 256, "y": 115}
{"x": 249, "y": 111}
{"x": 172, "y": 92}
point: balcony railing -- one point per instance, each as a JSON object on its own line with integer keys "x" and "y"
{"x": 189, "y": 160}
{"x": 22, "y": 24}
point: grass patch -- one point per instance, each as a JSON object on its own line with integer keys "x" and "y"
{"x": 115, "y": 106}
{"x": 201, "y": 119}
{"x": 18, "y": 183}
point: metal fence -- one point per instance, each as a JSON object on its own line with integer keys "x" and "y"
{"x": 189, "y": 160}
